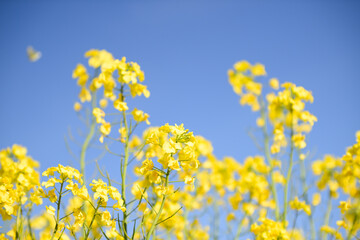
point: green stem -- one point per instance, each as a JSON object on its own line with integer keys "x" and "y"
{"x": 29, "y": 224}
{"x": 268, "y": 156}
{"x": 88, "y": 137}
{"x": 327, "y": 216}
{"x": 352, "y": 228}
{"x": 92, "y": 220}
{"x": 238, "y": 232}
{"x": 124, "y": 168}
{"x": 304, "y": 187}
{"x": 58, "y": 210}
{"x": 148, "y": 236}
{"x": 18, "y": 221}
{"x": 288, "y": 176}
{"x": 216, "y": 221}
{"x": 186, "y": 216}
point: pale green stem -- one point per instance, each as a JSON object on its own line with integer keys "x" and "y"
{"x": 216, "y": 221}
{"x": 88, "y": 137}
{"x": 186, "y": 215}
{"x": 238, "y": 232}
{"x": 18, "y": 221}
{"x": 268, "y": 157}
{"x": 288, "y": 176}
{"x": 352, "y": 228}
{"x": 124, "y": 169}
{"x": 148, "y": 236}
{"x": 29, "y": 224}
{"x": 92, "y": 220}
{"x": 327, "y": 216}
{"x": 58, "y": 211}
{"x": 304, "y": 187}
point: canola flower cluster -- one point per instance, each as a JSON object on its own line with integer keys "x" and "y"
{"x": 170, "y": 183}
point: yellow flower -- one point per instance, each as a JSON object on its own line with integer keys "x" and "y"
{"x": 316, "y": 200}
{"x": 300, "y": 205}
{"x": 81, "y": 74}
{"x": 32, "y": 54}
{"x": 50, "y": 210}
{"x": 260, "y": 122}
{"x": 274, "y": 83}
{"x": 251, "y": 100}
{"x": 84, "y": 95}
{"x": 99, "y": 115}
{"x": 120, "y": 105}
{"x": 269, "y": 230}
{"x": 258, "y": 70}
{"x": 105, "y": 128}
{"x": 299, "y": 141}
{"x": 331, "y": 231}
{"x": 140, "y": 116}
{"x": 278, "y": 177}
{"x": 242, "y": 66}
{"x": 138, "y": 89}
{"x": 189, "y": 180}
{"x": 77, "y": 106}
{"x": 230, "y": 217}
{"x": 103, "y": 103}
{"x": 19, "y": 151}
{"x": 147, "y": 165}
{"x": 344, "y": 206}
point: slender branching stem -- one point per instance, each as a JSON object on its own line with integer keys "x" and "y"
{"x": 148, "y": 236}
{"x": 268, "y": 156}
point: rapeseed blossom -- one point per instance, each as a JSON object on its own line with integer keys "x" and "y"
{"x": 177, "y": 177}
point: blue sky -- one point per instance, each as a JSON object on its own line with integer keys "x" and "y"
{"x": 185, "y": 49}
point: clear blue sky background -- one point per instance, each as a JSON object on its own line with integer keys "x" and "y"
{"x": 185, "y": 49}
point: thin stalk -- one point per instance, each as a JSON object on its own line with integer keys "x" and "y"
{"x": 240, "y": 226}
{"x": 352, "y": 228}
{"x": 288, "y": 176}
{"x": 268, "y": 157}
{"x": 148, "y": 236}
{"x": 216, "y": 221}
{"x": 58, "y": 210}
{"x": 18, "y": 221}
{"x": 29, "y": 224}
{"x": 186, "y": 216}
{"x": 304, "y": 187}
{"x": 89, "y": 137}
{"x": 92, "y": 221}
{"x": 327, "y": 216}
{"x": 124, "y": 168}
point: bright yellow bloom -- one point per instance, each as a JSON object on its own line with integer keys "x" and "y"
{"x": 81, "y": 74}
{"x": 242, "y": 66}
{"x": 84, "y": 95}
{"x": 103, "y": 103}
{"x": 50, "y": 210}
{"x": 316, "y": 200}
{"x": 147, "y": 165}
{"x": 77, "y": 106}
{"x": 230, "y": 217}
{"x": 137, "y": 89}
{"x": 258, "y": 70}
{"x": 140, "y": 116}
{"x": 300, "y": 205}
{"x": 120, "y": 105}
{"x": 99, "y": 115}
{"x": 274, "y": 83}
{"x": 32, "y": 54}
{"x": 270, "y": 230}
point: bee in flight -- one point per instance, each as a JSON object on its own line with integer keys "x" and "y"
{"x": 32, "y": 54}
